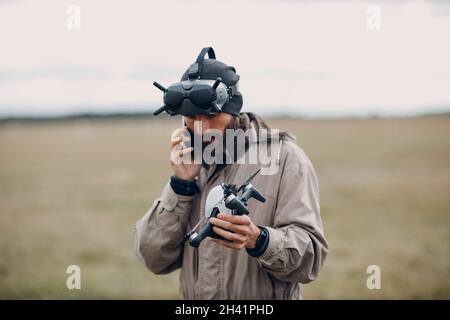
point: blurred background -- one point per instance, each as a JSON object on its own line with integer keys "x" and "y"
{"x": 364, "y": 85}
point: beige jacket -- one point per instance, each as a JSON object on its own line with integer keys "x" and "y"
{"x": 296, "y": 250}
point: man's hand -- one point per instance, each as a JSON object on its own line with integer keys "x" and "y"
{"x": 240, "y": 230}
{"x": 180, "y": 158}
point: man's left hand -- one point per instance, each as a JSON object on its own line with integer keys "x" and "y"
{"x": 239, "y": 230}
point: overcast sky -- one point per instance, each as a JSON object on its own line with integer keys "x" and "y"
{"x": 304, "y": 57}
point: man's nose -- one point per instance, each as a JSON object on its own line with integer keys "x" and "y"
{"x": 200, "y": 124}
{"x": 201, "y": 117}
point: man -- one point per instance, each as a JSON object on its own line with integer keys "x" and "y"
{"x": 266, "y": 254}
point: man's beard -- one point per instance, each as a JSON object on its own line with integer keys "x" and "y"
{"x": 220, "y": 141}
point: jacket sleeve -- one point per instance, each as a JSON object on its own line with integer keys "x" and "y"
{"x": 158, "y": 232}
{"x": 297, "y": 246}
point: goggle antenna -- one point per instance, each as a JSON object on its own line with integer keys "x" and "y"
{"x": 160, "y": 87}
{"x": 159, "y": 110}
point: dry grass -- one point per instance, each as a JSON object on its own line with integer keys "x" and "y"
{"x": 70, "y": 193}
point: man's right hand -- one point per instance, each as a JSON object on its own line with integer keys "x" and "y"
{"x": 183, "y": 164}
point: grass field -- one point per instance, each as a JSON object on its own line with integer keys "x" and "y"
{"x": 71, "y": 191}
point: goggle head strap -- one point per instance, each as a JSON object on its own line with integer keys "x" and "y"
{"x": 196, "y": 68}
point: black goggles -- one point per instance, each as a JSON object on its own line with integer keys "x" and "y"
{"x": 196, "y": 96}
{"x": 193, "y": 97}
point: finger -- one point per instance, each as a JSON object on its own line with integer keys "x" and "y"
{"x": 180, "y": 146}
{"x": 180, "y": 153}
{"x": 175, "y": 140}
{"x": 177, "y": 133}
{"x": 178, "y": 139}
{"x": 242, "y": 229}
{"x": 230, "y": 235}
{"x": 183, "y": 152}
{"x": 177, "y": 156}
{"x": 231, "y": 245}
{"x": 236, "y": 219}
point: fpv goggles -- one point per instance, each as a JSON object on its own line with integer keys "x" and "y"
{"x": 196, "y": 96}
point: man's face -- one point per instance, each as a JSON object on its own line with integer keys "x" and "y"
{"x": 218, "y": 122}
